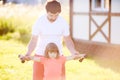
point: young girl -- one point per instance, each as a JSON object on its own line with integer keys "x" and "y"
{"x": 53, "y": 62}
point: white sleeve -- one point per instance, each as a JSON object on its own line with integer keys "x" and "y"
{"x": 36, "y": 28}
{"x": 66, "y": 29}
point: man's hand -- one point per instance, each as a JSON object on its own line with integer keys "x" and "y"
{"x": 80, "y": 57}
{"x": 24, "y": 58}
{"x": 75, "y": 53}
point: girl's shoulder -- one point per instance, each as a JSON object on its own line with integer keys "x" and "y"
{"x": 62, "y": 58}
{"x": 43, "y": 59}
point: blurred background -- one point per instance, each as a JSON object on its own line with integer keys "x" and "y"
{"x": 16, "y": 20}
{"x": 18, "y": 16}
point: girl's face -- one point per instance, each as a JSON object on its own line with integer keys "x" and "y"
{"x": 52, "y": 54}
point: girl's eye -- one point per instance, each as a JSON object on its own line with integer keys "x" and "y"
{"x": 53, "y": 51}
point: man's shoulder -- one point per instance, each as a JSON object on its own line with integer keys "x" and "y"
{"x": 42, "y": 16}
{"x": 62, "y": 19}
{"x": 40, "y": 19}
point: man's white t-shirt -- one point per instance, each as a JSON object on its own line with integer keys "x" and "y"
{"x": 49, "y": 32}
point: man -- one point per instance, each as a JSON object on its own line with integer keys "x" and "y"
{"x": 49, "y": 28}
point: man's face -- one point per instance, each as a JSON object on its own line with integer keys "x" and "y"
{"x": 52, "y": 17}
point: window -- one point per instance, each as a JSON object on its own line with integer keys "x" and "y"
{"x": 100, "y": 5}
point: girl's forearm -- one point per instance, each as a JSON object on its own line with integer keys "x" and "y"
{"x": 75, "y": 57}
{"x": 35, "y": 58}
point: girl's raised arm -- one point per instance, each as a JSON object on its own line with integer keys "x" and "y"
{"x": 27, "y": 58}
{"x": 75, "y": 57}
{"x": 35, "y": 58}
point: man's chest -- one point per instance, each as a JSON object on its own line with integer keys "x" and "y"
{"x": 51, "y": 30}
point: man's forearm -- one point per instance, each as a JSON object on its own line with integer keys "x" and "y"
{"x": 31, "y": 45}
{"x": 31, "y": 48}
{"x": 70, "y": 45}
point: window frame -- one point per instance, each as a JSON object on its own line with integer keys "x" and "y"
{"x": 102, "y": 7}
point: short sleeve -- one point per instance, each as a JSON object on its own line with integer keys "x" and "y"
{"x": 36, "y": 28}
{"x": 63, "y": 59}
{"x": 66, "y": 31}
{"x": 42, "y": 59}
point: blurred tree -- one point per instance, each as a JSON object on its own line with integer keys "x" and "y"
{"x": 43, "y": 1}
{"x": 3, "y": 1}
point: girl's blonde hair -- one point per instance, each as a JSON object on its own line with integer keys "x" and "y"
{"x": 51, "y": 47}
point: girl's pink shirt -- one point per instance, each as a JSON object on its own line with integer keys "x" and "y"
{"x": 53, "y": 68}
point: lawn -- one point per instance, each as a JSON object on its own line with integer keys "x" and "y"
{"x": 12, "y": 69}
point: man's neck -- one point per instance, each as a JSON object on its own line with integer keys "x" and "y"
{"x": 50, "y": 20}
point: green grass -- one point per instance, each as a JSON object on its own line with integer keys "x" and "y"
{"x": 10, "y": 66}
{"x": 16, "y": 21}
{"x": 12, "y": 69}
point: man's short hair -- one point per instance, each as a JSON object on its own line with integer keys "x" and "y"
{"x": 53, "y": 7}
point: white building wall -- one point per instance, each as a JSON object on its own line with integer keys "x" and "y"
{"x": 81, "y": 27}
{"x": 99, "y": 36}
{"x": 81, "y": 22}
{"x": 115, "y": 30}
{"x": 115, "y": 22}
{"x": 81, "y": 5}
{"x": 115, "y": 6}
